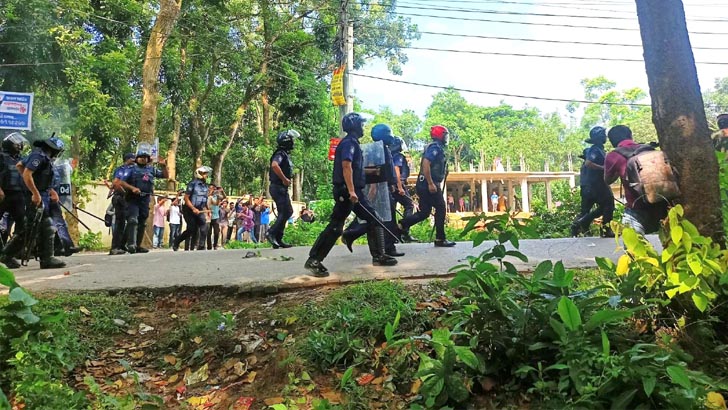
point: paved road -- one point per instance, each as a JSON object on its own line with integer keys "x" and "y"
{"x": 164, "y": 269}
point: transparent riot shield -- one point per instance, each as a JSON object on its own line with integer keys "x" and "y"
{"x": 377, "y": 190}
{"x": 63, "y": 172}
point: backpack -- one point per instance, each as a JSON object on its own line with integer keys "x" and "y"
{"x": 650, "y": 173}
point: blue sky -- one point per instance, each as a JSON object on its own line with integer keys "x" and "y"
{"x": 556, "y": 78}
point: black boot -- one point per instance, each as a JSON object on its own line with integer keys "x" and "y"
{"x": 131, "y": 236}
{"x": 272, "y": 240}
{"x": 347, "y": 240}
{"x": 380, "y": 258}
{"x": 393, "y": 252}
{"x": 9, "y": 262}
{"x": 444, "y": 243}
{"x": 46, "y": 239}
{"x": 316, "y": 268}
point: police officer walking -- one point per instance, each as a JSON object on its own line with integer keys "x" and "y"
{"x": 194, "y": 210}
{"x": 594, "y": 191}
{"x": 429, "y": 187}
{"x": 402, "y": 172}
{"x": 380, "y": 132}
{"x": 139, "y": 185}
{"x": 118, "y": 200}
{"x": 37, "y": 172}
{"x": 280, "y": 174}
{"x": 12, "y": 199}
{"x": 348, "y": 184}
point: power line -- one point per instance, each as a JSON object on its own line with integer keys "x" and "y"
{"x": 498, "y": 94}
{"x": 495, "y": 53}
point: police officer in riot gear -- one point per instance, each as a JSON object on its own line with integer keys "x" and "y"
{"x": 37, "y": 172}
{"x": 280, "y": 174}
{"x": 12, "y": 199}
{"x": 594, "y": 191}
{"x": 402, "y": 172}
{"x": 380, "y": 132}
{"x": 348, "y": 184}
{"x": 429, "y": 187}
{"x": 194, "y": 209}
{"x": 139, "y": 186}
{"x": 64, "y": 243}
{"x": 118, "y": 200}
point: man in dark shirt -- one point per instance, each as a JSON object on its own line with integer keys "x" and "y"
{"x": 348, "y": 184}
{"x": 402, "y": 171}
{"x": 118, "y": 200}
{"x": 194, "y": 210}
{"x": 12, "y": 199}
{"x": 594, "y": 191}
{"x": 429, "y": 188}
{"x": 640, "y": 215}
{"x": 281, "y": 172}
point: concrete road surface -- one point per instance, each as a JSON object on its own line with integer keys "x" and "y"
{"x": 164, "y": 269}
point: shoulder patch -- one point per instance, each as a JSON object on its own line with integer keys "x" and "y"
{"x": 35, "y": 162}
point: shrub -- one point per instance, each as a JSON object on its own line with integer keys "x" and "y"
{"x": 90, "y": 241}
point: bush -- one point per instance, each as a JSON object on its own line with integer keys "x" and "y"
{"x": 90, "y": 241}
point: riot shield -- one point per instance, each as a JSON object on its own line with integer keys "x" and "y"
{"x": 63, "y": 172}
{"x": 377, "y": 190}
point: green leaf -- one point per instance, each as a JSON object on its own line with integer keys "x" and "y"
{"x": 648, "y": 382}
{"x": 678, "y": 375}
{"x": 26, "y": 315}
{"x": 622, "y": 401}
{"x": 518, "y": 255}
{"x": 557, "y": 366}
{"x": 504, "y": 237}
{"x": 605, "y": 264}
{"x": 4, "y": 404}
{"x": 695, "y": 263}
{"x": 701, "y": 302}
{"x": 278, "y": 407}
{"x": 467, "y": 356}
{"x": 7, "y": 278}
{"x": 605, "y": 316}
{"x": 346, "y": 378}
{"x": 514, "y": 241}
{"x": 542, "y": 269}
{"x": 630, "y": 238}
{"x": 605, "y": 344}
{"x": 559, "y": 329}
{"x": 479, "y": 238}
{"x": 472, "y": 221}
{"x": 20, "y": 295}
{"x": 676, "y": 234}
{"x": 456, "y": 388}
{"x": 569, "y": 313}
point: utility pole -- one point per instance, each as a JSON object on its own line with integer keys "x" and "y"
{"x": 345, "y": 55}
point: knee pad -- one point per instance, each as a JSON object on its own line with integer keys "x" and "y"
{"x": 133, "y": 220}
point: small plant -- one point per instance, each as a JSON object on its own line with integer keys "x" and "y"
{"x": 246, "y": 245}
{"x": 90, "y": 241}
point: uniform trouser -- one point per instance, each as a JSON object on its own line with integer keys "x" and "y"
{"x": 118, "y": 237}
{"x": 603, "y": 199}
{"x": 195, "y": 223}
{"x": 137, "y": 213}
{"x": 61, "y": 226}
{"x": 284, "y": 207}
{"x": 46, "y": 232}
{"x": 14, "y": 205}
{"x": 342, "y": 209}
{"x": 357, "y": 229}
{"x": 405, "y": 200}
{"x": 428, "y": 200}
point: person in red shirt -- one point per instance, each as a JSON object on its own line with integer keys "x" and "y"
{"x": 640, "y": 215}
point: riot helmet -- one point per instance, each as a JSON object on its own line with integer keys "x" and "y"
{"x": 398, "y": 146}
{"x": 383, "y": 132}
{"x": 597, "y": 135}
{"x": 14, "y": 143}
{"x": 202, "y": 172}
{"x": 144, "y": 149}
{"x": 723, "y": 121}
{"x": 439, "y": 133}
{"x": 353, "y": 123}
{"x": 53, "y": 144}
{"x": 285, "y": 139}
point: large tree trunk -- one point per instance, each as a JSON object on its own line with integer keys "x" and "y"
{"x": 297, "y": 185}
{"x": 219, "y": 159}
{"x": 678, "y": 112}
{"x": 172, "y": 152}
{"x": 169, "y": 11}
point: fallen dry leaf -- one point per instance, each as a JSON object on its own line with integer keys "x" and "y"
{"x": 230, "y": 363}
{"x": 251, "y": 377}
{"x": 197, "y": 340}
{"x": 170, "y": 359}
{"x": 173, "y": 378}
{"x": 378, "y": 380}
{"x": 137, "y": 355}
{"x": 332, "y": 396}
{"x": 273, "y": 400}
{"x": 416, "y": 386}
{"x": 197, "y": 377}
{"x": 243, "y": 403}
{"x": 365, "y": 379}
{"x": 239, "y": 368}
{"x": 84, "y": 311}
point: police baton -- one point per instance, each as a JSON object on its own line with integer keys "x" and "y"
{"x": 378, "y": 221}
{"x": 75, "y": 217}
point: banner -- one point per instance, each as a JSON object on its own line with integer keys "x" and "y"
{"x": 155, "y": 150}
{"x": 16, "y": 110}
{"x": 333, "y": 143}
{"x": 337, "y": 86}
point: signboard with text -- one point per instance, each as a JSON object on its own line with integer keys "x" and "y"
{"x": 337, "y": 86}
{"x": 16, "y": 110}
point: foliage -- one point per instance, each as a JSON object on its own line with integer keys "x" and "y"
{"x": 90, "y": 241}
{"x": 214, "y": 332}
{"x": 246, "y": 245}
{"x": 723, "y": 183}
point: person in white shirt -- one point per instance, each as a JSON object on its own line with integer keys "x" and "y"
{"x": 175, "y": 221}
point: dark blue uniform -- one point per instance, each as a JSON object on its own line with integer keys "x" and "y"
{"x": 12, "y": 185}
{"x": 594, "y": 191}
{"x": 197, "y": 190}
{"x": 58, "y": 222}
{"x": 435, "y": 153}
{"x": 137, "y": 210}
{"x": 118, "y": 200}
{"x": 405, "y": 200}
{"x": 348, "y": 150}
{"x": 279, "y": 193}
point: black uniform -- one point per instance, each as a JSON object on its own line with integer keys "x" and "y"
{"x": 350, "y": 151}
{"x": 118, "y": 200}
{"x": 594, "y": 191}
{"x": 279, "y": 193}
{"x": 12, "y": 184}
{"x": 197, "y": 190}
{"x": 405, "y": 200}
{"x": 435, "y": 153}
{"x": 137, "y": 209}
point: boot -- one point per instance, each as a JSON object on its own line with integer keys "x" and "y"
{"x": 117, "y": 252}
{"x": 140, "y": 249}
{"x": 272, "y": 240}
{"x": 444, "y": 243}
{"x": 70, "y": 250}
{"x": 394, "y": 252}
{"x": 46, "y": 239}
{"x": 347, "y": 240}
{"x": 316, "y": 268}
{"x": 405, "y": 236}
{"x": 9, "y": 262}
{"x": 575, "y": 228}
{"x": 380, "y": 258}
{"x": 131, "y": 236}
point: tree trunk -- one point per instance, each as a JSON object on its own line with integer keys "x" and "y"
{"x": 172, "y": 152}
{"x": 169, "y": 11}
{"x": 72, "y": 222}
{"x": 298, "y": 185}
{"x": 219, "y": 159}
{"x": 678, "y": 112}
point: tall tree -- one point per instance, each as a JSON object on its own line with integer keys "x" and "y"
{"x": 678, "y": 113}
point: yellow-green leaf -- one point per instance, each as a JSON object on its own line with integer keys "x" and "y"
{"x": 676, "y": 234}
{"x": 623, "y": 265}
{"x": 695, "y": 264}
{"x": 701, "y": 302}
{"x": 630, "y": 238}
